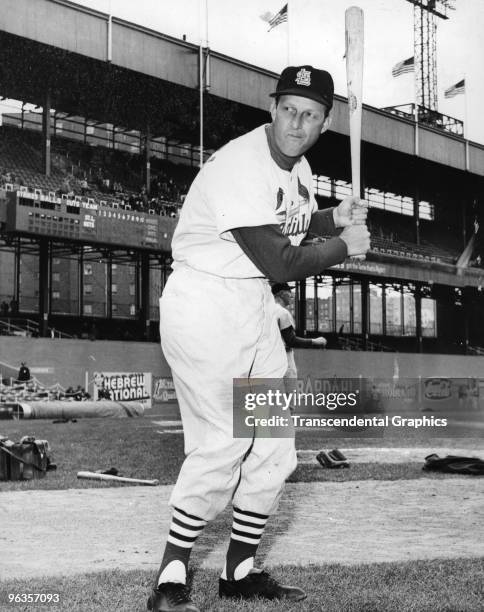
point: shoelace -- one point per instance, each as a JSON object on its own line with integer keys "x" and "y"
{"x": 176, "y": 593}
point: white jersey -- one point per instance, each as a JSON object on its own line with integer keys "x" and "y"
{"x": 284, "y": 317}
{"x": 285, "y": 320}
{"x": 241, "y": 186}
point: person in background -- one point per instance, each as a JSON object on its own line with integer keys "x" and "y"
{"x": 284, "y": 298}
{"x": 23, "y": 373}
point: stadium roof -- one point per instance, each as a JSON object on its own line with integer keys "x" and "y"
{"x": 114, "y": 71}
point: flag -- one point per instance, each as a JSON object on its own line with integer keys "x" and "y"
{"x": 455, "y": 90}
{"x": 407, "y": 65}
{"x": 278, "y": 18}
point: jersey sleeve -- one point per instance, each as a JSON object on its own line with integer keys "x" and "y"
{"x": 237, "y": 191}
{"x": 283, "y": 318}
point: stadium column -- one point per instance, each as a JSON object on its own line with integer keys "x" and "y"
{"x": 301, "y": 306}
{"x": 81, "y": 282}
{"x": 365, "y": 289}
{"x": 44, "y": 287}
{"x": 46, "y": 133}
{"x": 147, "y": 160}
{"x": 144, "y": 310}
{"x": 108, "y": 263}
{"x": 468, "y": 296}
{"x": 418, "y": 317}
{"x": 416, "y": 213}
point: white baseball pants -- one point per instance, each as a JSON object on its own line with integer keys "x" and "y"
{"x": 212, "y": 331}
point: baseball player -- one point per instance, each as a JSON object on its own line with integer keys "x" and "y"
{"x": 242, "y": 223}
{"x": 283, "y": 298}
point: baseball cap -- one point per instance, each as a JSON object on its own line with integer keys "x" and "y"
{"x": 307, "y": 82}
{"x": 276, "y": 287}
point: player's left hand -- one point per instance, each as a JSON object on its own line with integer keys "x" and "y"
{"x": 351, "y": 211}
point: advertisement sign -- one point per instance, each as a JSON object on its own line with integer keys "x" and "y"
{"x": 123, "y": 387}
{"x": 164, "y": 390}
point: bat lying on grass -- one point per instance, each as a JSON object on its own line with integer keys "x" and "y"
{"x": 97, "y": 476}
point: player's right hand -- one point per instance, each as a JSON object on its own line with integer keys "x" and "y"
{"x": 357, "y": 239}
{"x": 320, "y": 341}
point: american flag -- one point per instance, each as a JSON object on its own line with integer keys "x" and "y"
{"x": 278, "y": 18}
{"x": 456, "y": 89}
{"x": 407, "y": 65}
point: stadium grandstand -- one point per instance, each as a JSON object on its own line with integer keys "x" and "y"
{"x": 100, "y": 140}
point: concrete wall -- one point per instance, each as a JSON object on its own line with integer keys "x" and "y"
{"x": 66, "y": 361}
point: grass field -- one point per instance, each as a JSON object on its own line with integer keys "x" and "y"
{"x": 432, "y": 586}
{"x": 137, "y": 450}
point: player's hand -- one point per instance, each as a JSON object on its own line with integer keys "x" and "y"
{"x": 350, "y": 211}
{"x": 320, "y": 342}
{"x": 357, "y": 238}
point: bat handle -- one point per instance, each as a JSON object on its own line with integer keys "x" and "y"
{"x": 357, "y": 194}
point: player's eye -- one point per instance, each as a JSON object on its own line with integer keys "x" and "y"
{"x": 311, "y": 116}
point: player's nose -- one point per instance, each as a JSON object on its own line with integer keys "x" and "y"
{"x": 296, "y": 121}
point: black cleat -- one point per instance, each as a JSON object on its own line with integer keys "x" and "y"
{"x": 171, "y": 597}
{"x": 259, "y": 584}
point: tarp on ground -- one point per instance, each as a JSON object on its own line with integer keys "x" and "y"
{"x": 78, "y": 410}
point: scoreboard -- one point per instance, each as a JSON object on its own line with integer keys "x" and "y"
{"x": 86, "y": 221}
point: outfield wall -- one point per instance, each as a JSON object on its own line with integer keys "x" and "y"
{"x": 67, "y": 361}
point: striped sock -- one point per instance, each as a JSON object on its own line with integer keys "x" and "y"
{"x": 184, "y": 530}
{"x": 247, "y": 530}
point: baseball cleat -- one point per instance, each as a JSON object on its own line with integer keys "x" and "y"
{"x": 259, "y": 584}
{"x": 171, "y": 597}
{"x": 327, "y": 460}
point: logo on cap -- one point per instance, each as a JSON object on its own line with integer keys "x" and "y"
{"x": 303, "y": 77}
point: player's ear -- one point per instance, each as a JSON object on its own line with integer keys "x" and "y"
{"x": 272, "y": 109}
{"x": 327, "y": 121}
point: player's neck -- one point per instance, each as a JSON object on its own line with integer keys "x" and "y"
{"x": 283, "y": 161}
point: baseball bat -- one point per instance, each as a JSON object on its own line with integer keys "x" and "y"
{"x": 354, "y": 30}
{"x": 96, "y": 476}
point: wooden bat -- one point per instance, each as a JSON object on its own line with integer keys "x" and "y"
{"x": 354, "y": 27}
{"x": 96, "y": 476}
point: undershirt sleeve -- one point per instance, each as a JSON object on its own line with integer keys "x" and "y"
{"x": 278, "y": 260}
{"x": 322, "y": 223}
{"x": 292, "y": 341}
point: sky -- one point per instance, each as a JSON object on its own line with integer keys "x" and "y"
{"x": 316, "y": 35}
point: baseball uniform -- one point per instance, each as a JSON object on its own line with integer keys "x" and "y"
{"x": 218, "y": 322}
{"x": 285, "y": 320}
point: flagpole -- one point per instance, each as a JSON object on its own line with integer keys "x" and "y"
{"x": 288, "y": 33}
{"x": 109, "y": 50}
{"x": 466, "y": 129}
{"x": 415, "y": 110}
{"x": 203, "y": 25}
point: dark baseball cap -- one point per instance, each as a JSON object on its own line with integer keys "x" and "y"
{"x": 276, "y": 287}
{"x": 307, "y": 82}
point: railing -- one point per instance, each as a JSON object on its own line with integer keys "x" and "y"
{"x": 27, "y": 327}
{"x": 475, "y": 350}
{"x": 357, "y": 344}
{"x": 21, "y": 327}
{"x": 429, "y": 117}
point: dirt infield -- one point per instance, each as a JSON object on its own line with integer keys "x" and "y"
{"x": 76, "y": 531}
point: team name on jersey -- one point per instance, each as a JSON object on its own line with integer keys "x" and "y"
{"x": 293, "y": 217}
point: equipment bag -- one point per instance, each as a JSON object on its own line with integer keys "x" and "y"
{"x": 453, "y": 464}
{"x": 24, "y": 460}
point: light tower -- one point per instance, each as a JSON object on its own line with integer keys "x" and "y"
{"x": 425, "y": 13}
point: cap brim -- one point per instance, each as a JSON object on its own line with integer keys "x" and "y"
{"x": 302, "y": 94}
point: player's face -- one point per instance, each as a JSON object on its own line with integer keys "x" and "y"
{"x": 297, "y": 123}
{"x": 286, "y": 297}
